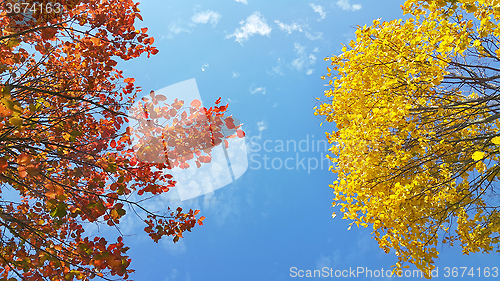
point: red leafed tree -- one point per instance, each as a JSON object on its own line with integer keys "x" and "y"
{"x": 65, "y": 146}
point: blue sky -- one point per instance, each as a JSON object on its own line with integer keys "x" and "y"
{"x": 264, "y": 58}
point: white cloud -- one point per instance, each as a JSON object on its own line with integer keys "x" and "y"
{"x": 302, "y": 60}
{"x": 254, "y": 25}
{"x": 172, "y": 248}
{"x": 278, "y": 70}
{"x": 344, "y": 5}
{"x": 261, "y": 125}
{"x": 175, "y": 28}
{"x": 173, "y": 275}
{"x": 236, "y": 74}
{"x": 298, "y": 63}
{"x": 318, "y": 9}
{"x": 334, "y": 260}
{"x": 206, "y": 16}
{"x": 318, "y": 35}
{"x": 289, "y": 27}
{"x": 179, "y": 26}
{"x": 299, "y": 49}
{"x": 258, "y": 90}
{"x": 316, "y": 50}
{"x": 312, "y": 58}
{"x": 242, "y": 1}
{"x": 356, "y": 7}
{"x": 204, "y": 67}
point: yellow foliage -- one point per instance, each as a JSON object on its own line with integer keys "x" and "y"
{"x": 478, "y": 155}
{"x": 415, "y": 104}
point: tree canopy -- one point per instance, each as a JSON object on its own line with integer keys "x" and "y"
{"x": 65, "y": 145}
{"x": 416, "y": 103}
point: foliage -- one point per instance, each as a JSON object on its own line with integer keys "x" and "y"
{"x": 65, "y": 148}
{"x": 416, "y": 103}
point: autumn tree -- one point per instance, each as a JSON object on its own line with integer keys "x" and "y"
{"x": 416, "y": 104}
{"x": 66, "y": 155}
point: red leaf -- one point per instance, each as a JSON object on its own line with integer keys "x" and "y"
{"x": 218, "y": 100}
{"x": 240, "y": 133}
{"x": 48, "y": 33}
{"x": 113, "y": 143}
{"x": 229, "y": 124}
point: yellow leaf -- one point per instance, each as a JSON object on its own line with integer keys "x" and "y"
{"x": 12, "y": 43}
{"x": 496, "y": 140}
{"x": 478, "y": 155}
{"x": 16, "y": 121}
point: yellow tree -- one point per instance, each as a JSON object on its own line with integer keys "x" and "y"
{"x": 416, "y": 104}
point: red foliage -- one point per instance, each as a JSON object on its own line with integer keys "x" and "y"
{"x": 64, "y": 146}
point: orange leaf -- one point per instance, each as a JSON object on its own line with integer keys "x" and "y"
{"x": 53, "y": 191}
{"x": 196, "y": 103}
{"x": 96, "y": 41}
{"x": 23, "y": 159}
{"x": 172, "y": 112}
{"x": 32, "y": 170}
{"x": 3, "y": 165}
{"x": 129, "y": 80}
{"x": 22, "y": 171}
